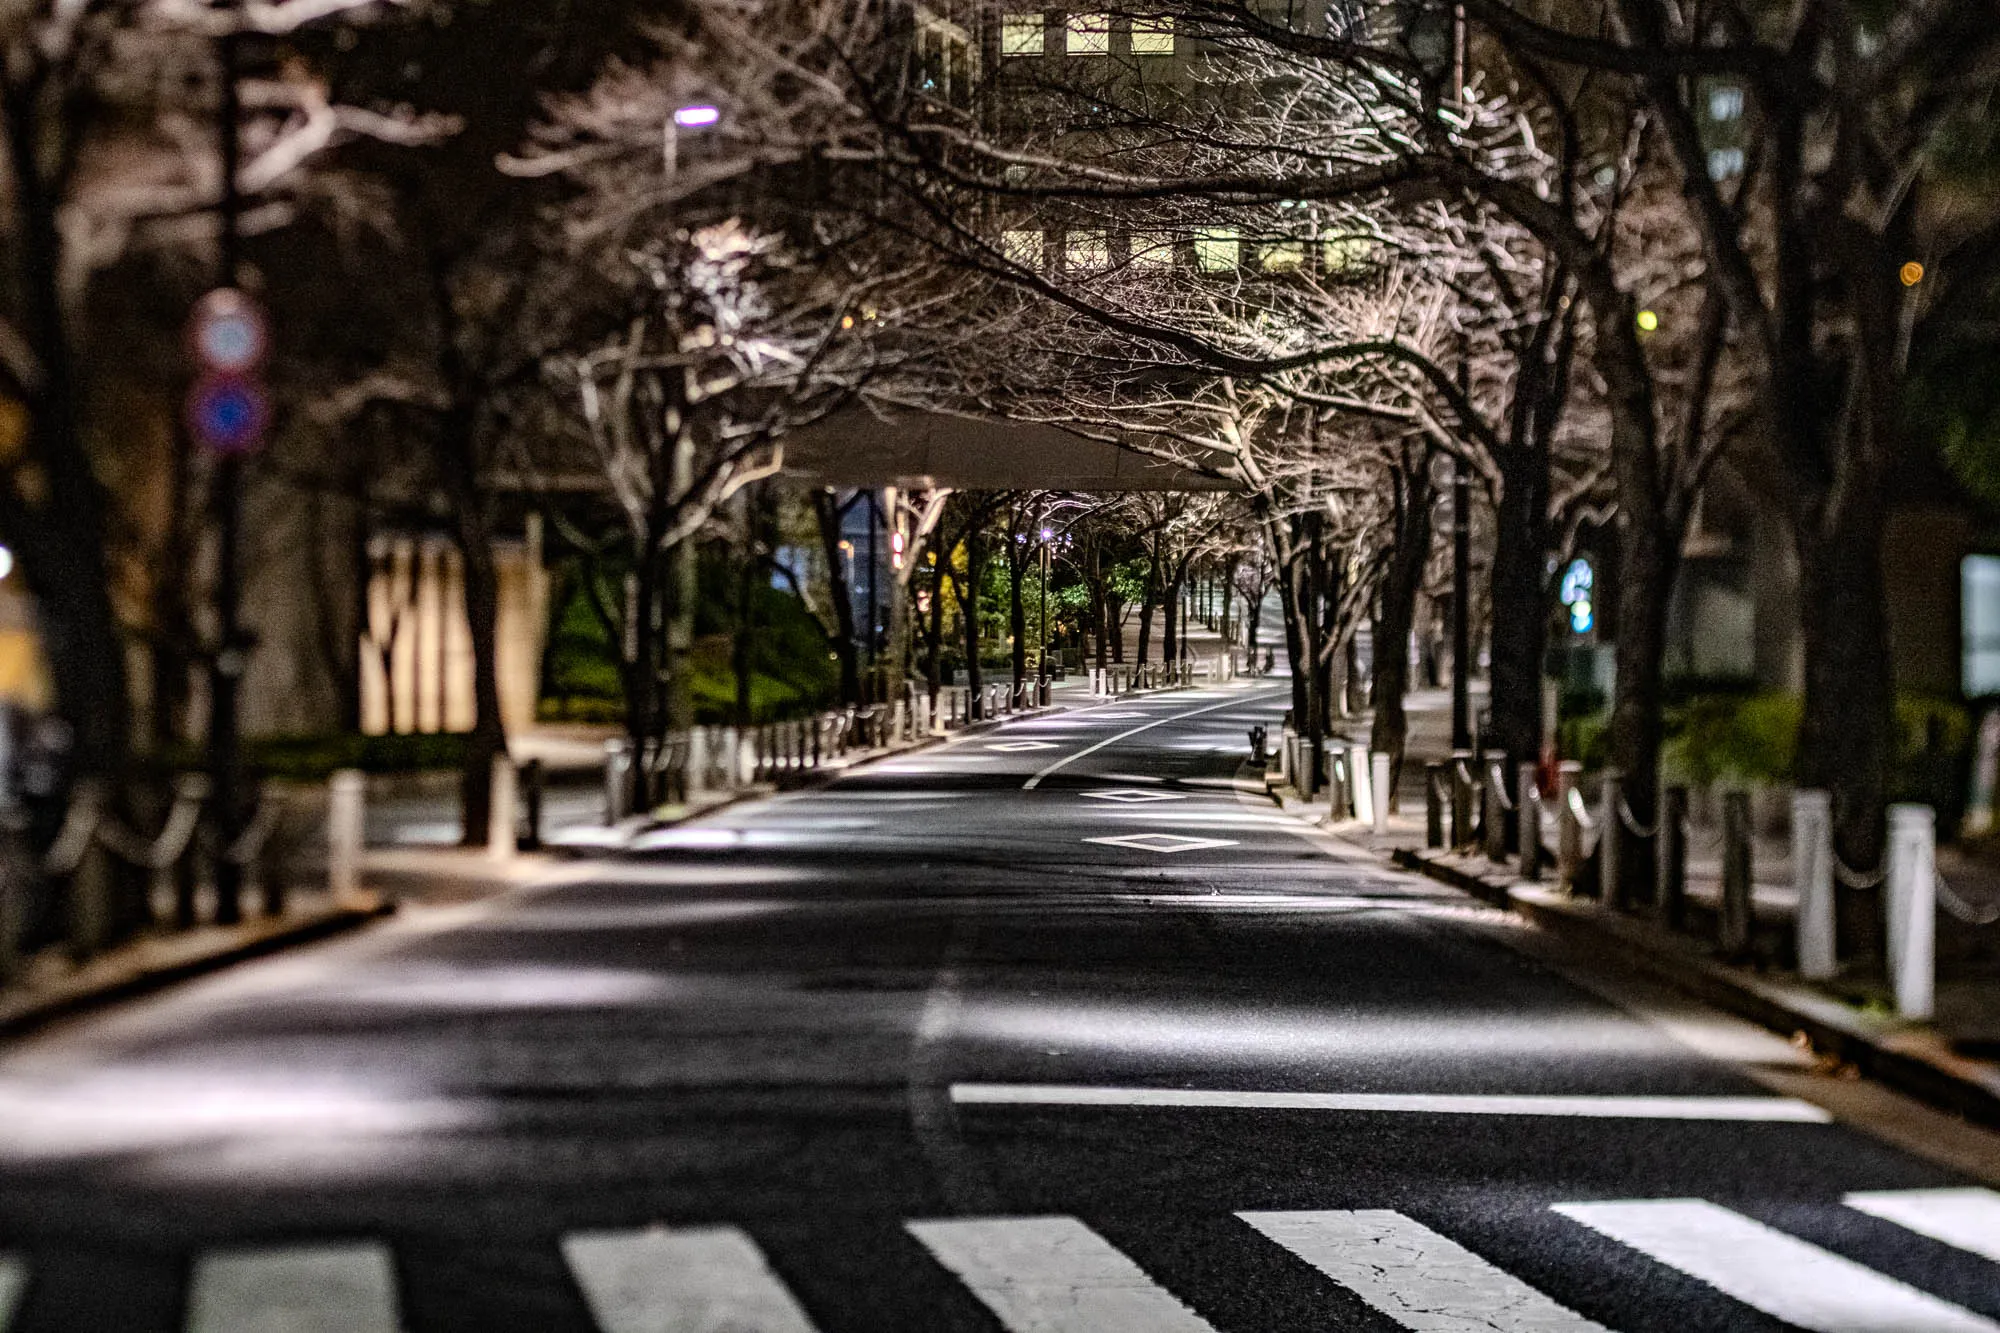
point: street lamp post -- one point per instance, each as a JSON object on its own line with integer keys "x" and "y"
{"x": 1043, "y": 672}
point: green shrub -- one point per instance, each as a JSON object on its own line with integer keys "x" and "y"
{"x": 312, "y": 757}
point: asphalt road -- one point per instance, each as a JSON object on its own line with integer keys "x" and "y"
{"x": 1062, "y": 1027}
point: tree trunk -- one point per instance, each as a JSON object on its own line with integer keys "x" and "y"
{"x": 829, "y": 512}
{"x": 1518, "y": 598}
{"x": 934, "y": 627}
{"x": 1017, "y": 612}
{"x": 460, "y": 466}
{"x": 968, "y": 601}
{"x": 1846, "y": 733}
{"x": 1397, "y": 601}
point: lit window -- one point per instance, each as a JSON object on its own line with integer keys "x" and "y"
{"x": 1724, "y": 163}
{"x": 1021, "y": 35}
{"x": 1725, "y": 104}
{"x": 1153, "y": 37}
{"x": 1087, "y": 251}
{"x": 1283, "y": 256}
{"x": 1152, "y": 249}
{"x": 1090, "y": 34}
{"x": 1347, "y": 252}
{"x": 1022, "y": 247}
{"x": 1217, "y": 249}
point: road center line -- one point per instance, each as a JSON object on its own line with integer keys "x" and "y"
{"x": 1784, "y": 1109}
{"x": 1067, "y": 760}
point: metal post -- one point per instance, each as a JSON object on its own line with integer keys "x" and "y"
{"x": 1611, "y": 888}
{"x": 1812, "y": 877}
{"x": 347, "y": 794}
{"x": 534, "y": 785}
{"x": 1569, "y": 837}
{"x": 1363, "y": 781}
{"x": 617, "y": 778}
{"x": 1670, "y": 884}
{"x": 1733, "y": 921}
{"x": 1380, "y": 781}
{"x": 1461, "y": 798}
{"x": 1494, "y": 789}
{"x": 501, "y": 837}
{"x": 1912, "y": 885}
{"x": 1528, "y": 818}
{"x": 1433, "y": 804}
{"x": 1337, "y": 784}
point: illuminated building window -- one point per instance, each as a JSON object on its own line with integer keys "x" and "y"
{"x": 1089, "y": 34}
{"x": 1022, "y": 247}
{"x": 1153, "y": 37}
{"x": 1217, "y": 249}
{"x": 1152, "y": 249}
{"x": 1022, "y": 35}
{"x": 1086, "y": 251}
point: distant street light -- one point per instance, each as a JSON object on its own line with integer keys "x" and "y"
{"x": 1912, "y": 273}
{"x": 696, "y": 117}
{"x": 1649, "y": 321}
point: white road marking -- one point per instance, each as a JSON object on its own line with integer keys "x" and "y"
{"x": 1418, "y": 1278}
{"x": 1966, "y": 1218}
{"x": 1781, "y": 1275}
{"x": 13, "y": 1277}
{"x": 296, "y": 1289}
{"x": 1127, "y": 734}
{"x": 1022, "y": 747}
{"x": 697, "y": 1280}
{"x": 1054, "y": 1275}
{"x": 1132, "y": 795}
{"x": 1166, "y": 844}
{"x": 1783, "y": 1109}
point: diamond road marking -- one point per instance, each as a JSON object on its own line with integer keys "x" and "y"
{"x": 1132, "y": 795}
{"x": 1164, "y": 843}
{"x": 1116, "y": 717}
{"x": 1016, "y": 747}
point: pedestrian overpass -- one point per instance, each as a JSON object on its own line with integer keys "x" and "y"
{"x": 932, "y": 449}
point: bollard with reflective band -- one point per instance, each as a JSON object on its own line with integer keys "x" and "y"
{"x": 1380, "y": 787}
{"x": 1434, "y": 804}
{"x": 1528, "y": 819}
{"x": 1912, "y": 888}
{"x": 345, "y": 815}
{"x": 500, "y": 825}
{"x": 1493, "y": 791}
{"x": 1362, "y": 780}
{"x": 1812, "y": 878}
{"x": 1569, "y": 829}
{"x": 1461, "y": 798}
{"x": 617, "y": 778}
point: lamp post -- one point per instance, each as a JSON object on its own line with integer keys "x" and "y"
{"x": 1043, "y": 672}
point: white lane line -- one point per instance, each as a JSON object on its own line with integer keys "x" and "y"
{"x": 1054, "y": 1275}
{"x": 693, "y": 1280}
{"x": 1966, "y": 1218}
{"x": 13, "y": 1277}
{"x": 1418, "y": 1278}
{"x": 1164, "y": 844}
{"x": 1781, "y": 1275}
{"x": 1783, "y": 1109}
{"x": 347, "y": 1288}
{"x": 1127, "y": 734}
{"x": 1132, "y": 795}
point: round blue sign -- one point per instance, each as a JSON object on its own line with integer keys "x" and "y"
{"x": 228, "y": 414}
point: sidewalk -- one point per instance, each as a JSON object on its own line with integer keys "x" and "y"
{"x": 1953, "y": 1063}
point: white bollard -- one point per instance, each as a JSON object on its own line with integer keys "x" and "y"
{"x": 617, "y": 779}
{"x": 347, "y": 795}
{"x": 697, "y": 770}
{"x": 500, "y": 825}
{"x": 1361, "y": 778}
{"x": 1378, "y": 787}
{"x": 1912, "y": 888}
{"x": 898, "y": 720}
{"x": 1812, "y": 876}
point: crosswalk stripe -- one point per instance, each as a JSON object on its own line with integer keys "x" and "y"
{"x": 1054, "y": 1275}
{"x": 1781, "y": 1275}
{"x": 1418, "y": 1278}
{"x": 13, "y": 1277}
{"x": 1966, "y": 1218}
{"x": 693, "y": 1280}
{"x": 349, "y": 1288}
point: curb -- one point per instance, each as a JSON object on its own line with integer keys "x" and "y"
{"x": 1911, "y": 1059}
{"x": 85, "y": 994}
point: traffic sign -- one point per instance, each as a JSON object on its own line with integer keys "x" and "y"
{"x": 228, "y": 413}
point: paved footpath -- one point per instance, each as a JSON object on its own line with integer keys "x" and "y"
{"x": 1062, "y": 1027}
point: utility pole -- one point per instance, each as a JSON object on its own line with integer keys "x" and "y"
{"x": 875, "y": 684}
{"x": 232, "y": 649}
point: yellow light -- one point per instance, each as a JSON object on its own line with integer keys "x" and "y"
{"x": 1912, "y": 273}
{"x": 847, "y": 321}
{"x": 1649, "y": 321}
